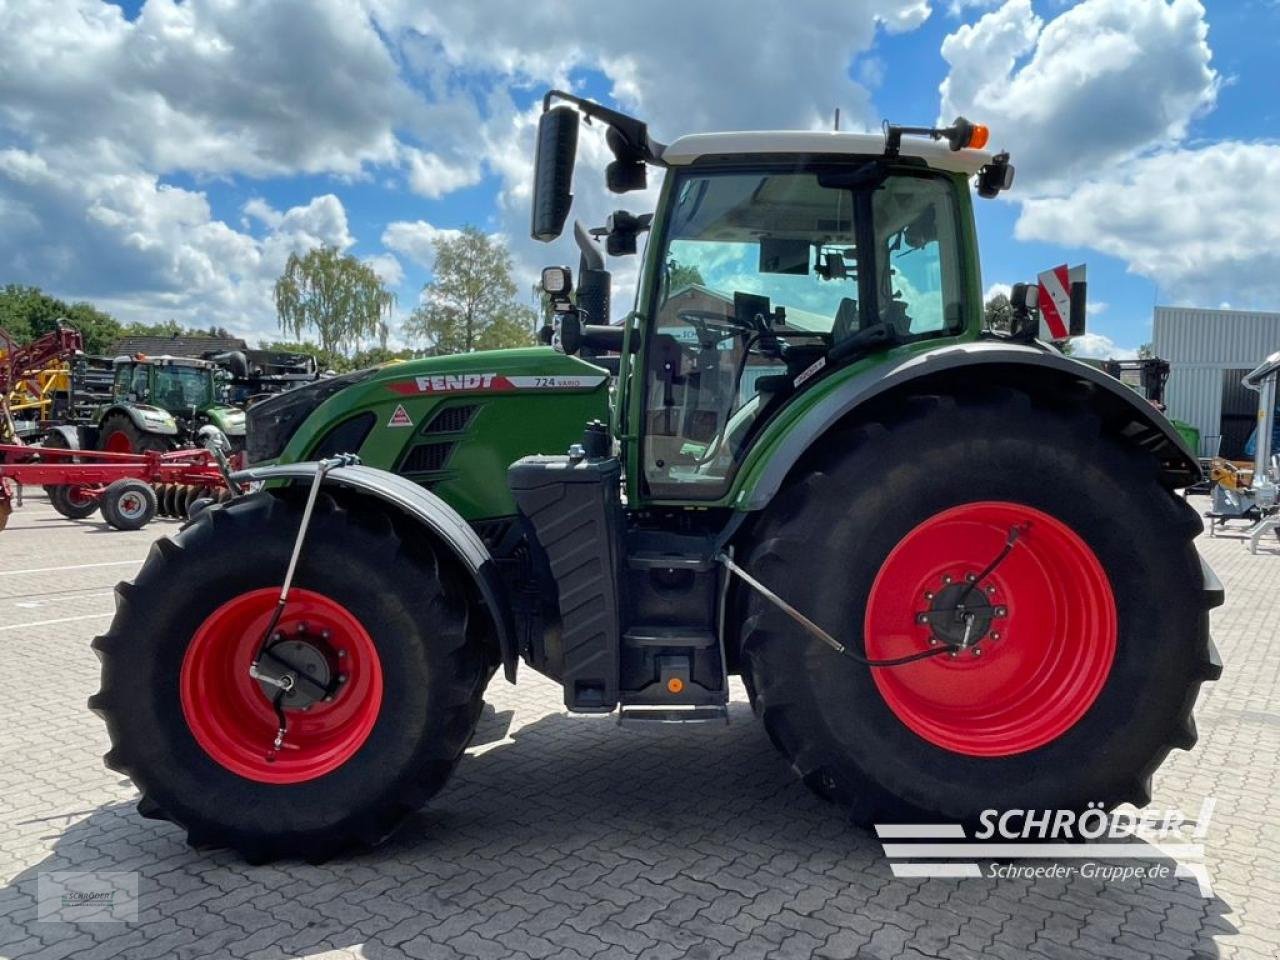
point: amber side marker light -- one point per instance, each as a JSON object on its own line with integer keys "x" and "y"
{"x": 675, "y": 685}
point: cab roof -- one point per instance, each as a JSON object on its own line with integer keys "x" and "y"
{"x": 935, "y": 153}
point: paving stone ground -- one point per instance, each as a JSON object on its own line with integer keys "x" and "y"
{"x": 564, "y": 837}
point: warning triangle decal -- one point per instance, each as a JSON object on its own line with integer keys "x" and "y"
{"x": 400, "y": 418}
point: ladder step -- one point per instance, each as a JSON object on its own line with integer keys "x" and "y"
{"x": 655, "y": 560}
{"x": 664, "y": 636}
{"x": 706, "y": 714}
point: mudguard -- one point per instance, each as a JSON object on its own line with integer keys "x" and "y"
{"x": 433, "y": 513}
{"x": 145, "y": 417}
{"x": 983, "y": 362}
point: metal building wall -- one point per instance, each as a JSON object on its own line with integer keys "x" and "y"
{"x": 1200, "y": 345}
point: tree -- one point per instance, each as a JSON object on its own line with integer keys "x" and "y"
{"x": 470, "y": 303}
{"x": 29, "y": 312}
{"x": 335, "y": 295}
{"x": 1146, "y": 351}
{"x": 681, "y": 275}
{"x": 999, "y": 313}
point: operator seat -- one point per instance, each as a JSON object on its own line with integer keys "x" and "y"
{"x": 846, "y": 322}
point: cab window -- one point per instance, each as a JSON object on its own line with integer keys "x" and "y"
{"x": 761, "y": 275}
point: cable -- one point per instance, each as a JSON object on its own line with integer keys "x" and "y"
{"x": 1014, "y": 533}
{"x": 817, "y": 631}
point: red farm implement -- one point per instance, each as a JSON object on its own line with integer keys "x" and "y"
{"x": 129, "y": 488}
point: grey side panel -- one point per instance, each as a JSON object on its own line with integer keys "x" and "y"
{"x": 138, "y": 421}
{"x": 987, "y": 362}
{"x": 433, "y": 513}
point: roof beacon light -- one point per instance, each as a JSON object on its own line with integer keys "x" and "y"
{"x": 960, "y": 135}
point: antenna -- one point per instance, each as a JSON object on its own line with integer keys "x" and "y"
{"x": 837, "y": 119}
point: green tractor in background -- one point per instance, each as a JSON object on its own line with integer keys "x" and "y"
{"x": 947, "y": 564}
{"x": 160, "y": 403}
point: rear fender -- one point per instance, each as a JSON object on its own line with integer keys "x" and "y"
{"x": 441, "y": 521}
{"x": 981, "y": 363}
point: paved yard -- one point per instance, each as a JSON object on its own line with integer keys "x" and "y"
{"x": 566, "y": 837}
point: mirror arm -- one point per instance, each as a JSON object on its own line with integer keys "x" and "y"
{"x": 635, "y": 132}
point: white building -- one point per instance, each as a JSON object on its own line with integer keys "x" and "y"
{"x": 1209, "y": 351}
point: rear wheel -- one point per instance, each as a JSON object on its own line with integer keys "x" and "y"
{"x": 1077, "y": 658}
{"x": 391, "y": 659}
{"x": 72, "y": 502}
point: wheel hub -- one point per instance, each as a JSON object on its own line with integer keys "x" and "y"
{"x": 961, "y": 613}
{"x": 309, "y": 666}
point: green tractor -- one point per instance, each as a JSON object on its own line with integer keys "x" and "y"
{"x": 160, "y": 403}
{"x": 948, "y": 565}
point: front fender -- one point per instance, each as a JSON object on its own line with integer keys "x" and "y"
{"x": 978, "y": 363}
{"x": 145, "y": 417}
{"x": 430, "y": 511}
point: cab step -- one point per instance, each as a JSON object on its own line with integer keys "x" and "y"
{"x": 647, "y": 714}
{"x": 681, "y": 638}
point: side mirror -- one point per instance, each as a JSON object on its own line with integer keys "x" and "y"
{"x": 995, "y": 177}
{"x": 622, "y": 229}
{"x": 553, "y": 172}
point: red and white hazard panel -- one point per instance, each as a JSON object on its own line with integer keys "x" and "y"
{"x": 1054, "y": 303}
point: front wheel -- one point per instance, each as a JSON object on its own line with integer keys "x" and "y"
{"x": 388, "y": 662}
{"x": 1067, "y": 664}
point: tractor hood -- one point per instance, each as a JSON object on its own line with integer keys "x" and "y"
{"x": 452, "y": 424}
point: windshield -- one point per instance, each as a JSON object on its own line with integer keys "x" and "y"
{"x": 762, "y": 275}
{"x": 182, "y": 387}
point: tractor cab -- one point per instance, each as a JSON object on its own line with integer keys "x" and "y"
{"x": 174, "y": 384}
{"x": 775, "y": 260}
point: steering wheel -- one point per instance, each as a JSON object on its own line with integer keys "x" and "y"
{"x": 713, "y": 327}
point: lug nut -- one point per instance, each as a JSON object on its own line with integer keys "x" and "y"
{"x": 991, "y": 589}
{"x": 324, "y": 634}
{"x": 341, "y": 654}
{"x": 977, "y": 651}
{"x": 928, "y": 594}
{"x": 971, "y": 577}
{"x": 302, "y": 628}
{"x": 995, "y": 636}
{"x": 1000, "y": 611}
{"x": 946, "y": 578}
{"x": 922, "y": 618}
{"x": 342, "y": 678}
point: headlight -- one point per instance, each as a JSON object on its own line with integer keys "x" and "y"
{"x": 273, "y": 422}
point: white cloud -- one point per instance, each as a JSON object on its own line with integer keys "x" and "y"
{"x": 1100, "y": 83}
{"x": 147, "y": 250}
{"x": 1201, "y": 223}
{"x": 416, "y": 239}
{"x": 387, "y": 267}
{"x": 958, "y": 8}
{"x": 997, "y": 289}
{"x": 1097, "y": 346}
{"x": 205, "y": 85}
{"x": 431, "y": 176}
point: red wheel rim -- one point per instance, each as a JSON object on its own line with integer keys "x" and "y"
{"x": 118, "y": 442}
{"x": 1038, "y": 667}
{"x": 230, "y": 715}
{"x": 77, "y": 497}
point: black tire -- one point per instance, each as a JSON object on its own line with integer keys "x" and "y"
{"x": 128, "y": 504}
{"x": 57, "y": 441}
{"x": 868, "y": 487}
{"x": 433, "y": 645}
{"x": 69, "y": 502}
{"x": 139, "y": 441}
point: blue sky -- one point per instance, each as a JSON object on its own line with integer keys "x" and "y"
{"x": 164, "y": 158}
